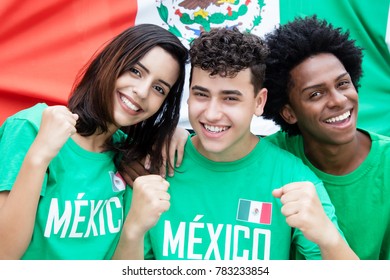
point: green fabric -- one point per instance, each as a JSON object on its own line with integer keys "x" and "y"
{"x": 203, "y": 220}
{"x": 361, "y": 198}
{"x": 367, "y": 22}
{"x": 80, "y": 212}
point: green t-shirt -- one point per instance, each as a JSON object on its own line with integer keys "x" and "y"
{"x": 80, "y": 212}
{"x": 225, "y": 210}
{"x": 361, "y": 198}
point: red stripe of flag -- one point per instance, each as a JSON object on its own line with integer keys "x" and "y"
{"x": 265, "y": 215}
{"x": 44, "y": 44}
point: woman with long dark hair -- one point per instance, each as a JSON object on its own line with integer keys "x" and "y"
{"x": 61, "y": 196}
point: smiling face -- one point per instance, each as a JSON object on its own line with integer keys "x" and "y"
{"x": 220, "y": 112}
{"x": 323, "y": 101}
{"x": 140, "y": 92}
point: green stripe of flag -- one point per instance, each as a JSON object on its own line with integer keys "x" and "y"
{"x": 243, "y": 209}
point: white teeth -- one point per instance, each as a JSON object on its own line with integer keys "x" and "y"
{"x": 215, "y": 129}
{"x": 129, "y": 104}
{"x": 339, "y": 118}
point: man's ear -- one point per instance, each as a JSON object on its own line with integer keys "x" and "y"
{"x": 260, "y": 100}
{"x": 288, "y": 114}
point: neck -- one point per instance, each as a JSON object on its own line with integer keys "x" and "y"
{"x": 93, "y": 143}
{"x": 232, "y": 153}
{"x": 339, "y": 159}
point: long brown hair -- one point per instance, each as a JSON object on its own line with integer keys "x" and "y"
{"x": 92, "y": 95}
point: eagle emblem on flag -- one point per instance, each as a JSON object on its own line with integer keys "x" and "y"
{"x": 187, "y": 19}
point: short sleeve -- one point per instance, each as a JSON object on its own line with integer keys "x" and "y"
{"x": 16, "y": 137}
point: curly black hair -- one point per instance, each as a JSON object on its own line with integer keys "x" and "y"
{"x": 225, "y": 52}
{"x": 292, "y": 43}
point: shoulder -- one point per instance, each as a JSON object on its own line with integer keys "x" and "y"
{"x": 287, "y": 162}
{"x": 379, "y": 141}
{"x": 32, "y": 115}
{"x": 276, "y": 149}
{"x": 375, "y": 136}
{"x": 281, "y": 139}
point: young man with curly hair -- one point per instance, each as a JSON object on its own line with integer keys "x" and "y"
{"x": 235, "y": 196}
{"x": 312, "y": 77}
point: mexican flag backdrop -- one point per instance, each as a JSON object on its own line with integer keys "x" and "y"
{"x": 44, "y": 44}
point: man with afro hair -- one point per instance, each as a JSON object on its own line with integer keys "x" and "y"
{"x": 312, "y": 77}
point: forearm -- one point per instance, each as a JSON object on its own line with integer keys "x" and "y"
{"x": 337, "y": 248}
{"x": 130, "y": 246}
{"x": 18, "y": 208}
{"x": 149, "y": 199}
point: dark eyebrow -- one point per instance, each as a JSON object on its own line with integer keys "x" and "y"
{"x": 226, "y": 92}
{"x": 234, "y": 92}
{"x": 147, "y": 71}
{"x": 200, "y": 88}
{"x": 319, "y": 85}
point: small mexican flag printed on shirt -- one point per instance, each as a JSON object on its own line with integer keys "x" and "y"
{"x": 254, "y": 211}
